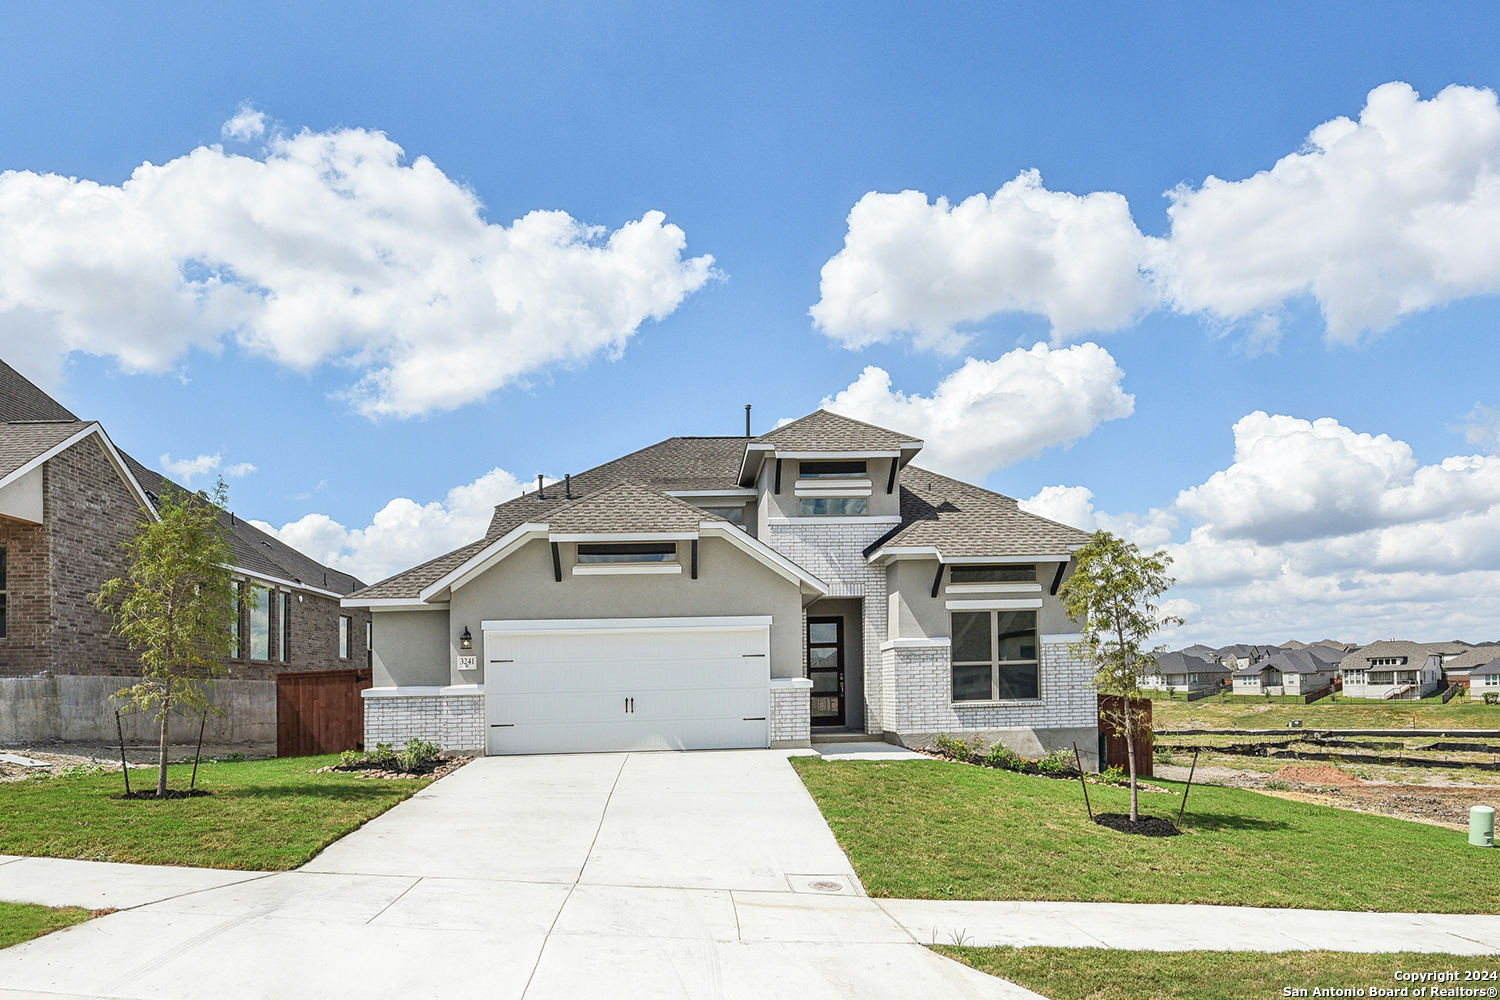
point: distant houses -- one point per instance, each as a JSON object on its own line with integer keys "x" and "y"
{"x": 1186, "y": 671}
{"x": 1305, "y": 671}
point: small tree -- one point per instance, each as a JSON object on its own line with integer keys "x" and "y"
{"x": 176, "y": 606}
{"x": 1111, "y": 594}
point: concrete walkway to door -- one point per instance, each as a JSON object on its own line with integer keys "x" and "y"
{"x": 653, "y": 875}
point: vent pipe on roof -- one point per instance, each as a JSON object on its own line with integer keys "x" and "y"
{"x": 747, "y": 420}
{"x": 539, "y": 494}
{"x": 567, "y": 486}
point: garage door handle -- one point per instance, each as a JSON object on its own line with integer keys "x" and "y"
{"x": 757, "y": 718}
{"x": 502, "y": 725}
{"x": 502, "y": 661}
{"x": 753, "y": 654}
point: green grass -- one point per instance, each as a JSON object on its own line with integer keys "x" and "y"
{"x": 1096, "y": 974}
{"x": 24, "y": 921}
{"x": 263, "y": 815}
{"x": 1210, "y": 713}
{"x": 934, "y": 830}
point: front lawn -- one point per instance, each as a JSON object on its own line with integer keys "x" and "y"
{"x": 24, "y": 921}
{"x": 1097, "y": 974}
{"x": 936, "y": 830}
{"x": 263, "y": 815}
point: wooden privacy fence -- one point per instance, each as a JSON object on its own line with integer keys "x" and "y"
{"x": 320, "y": 711}
{"x": 1112, "y": 748}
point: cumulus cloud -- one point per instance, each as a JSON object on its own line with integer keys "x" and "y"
{"x": 1481, "y": 427}
{"x": 247, "y": 124}
{"x": 913, "y": 266}
{"x": 1315, "y": 528}
{"x": 326, "y": 248}
{"x": 403, "y": 533}
{"x": 989, "y": 414}
{"x": 1373, "y": 219}
{"x": 187, "y": 469}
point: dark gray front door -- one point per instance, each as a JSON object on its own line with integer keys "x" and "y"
{"x": 825, "y": 666}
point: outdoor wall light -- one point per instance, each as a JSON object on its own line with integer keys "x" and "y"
{"x": 466, "y": 641}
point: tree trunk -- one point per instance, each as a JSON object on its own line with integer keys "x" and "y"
{"x": 161, "y": 771}
{"x": 1135, "y": 800}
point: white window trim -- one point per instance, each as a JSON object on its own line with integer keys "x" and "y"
{"x": 625, "y": 569}
{"x": 1033, "y": 604}
{"x": 836, "y": 519}
{"x": 994, "y": 588}
{"x": 836, "y": 492}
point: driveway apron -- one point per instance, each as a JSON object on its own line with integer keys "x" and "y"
{"x": 652, "y": 875}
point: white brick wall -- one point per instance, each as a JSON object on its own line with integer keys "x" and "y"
{"x": 452, "y": 721}
{"x": 791, "y": 715}
{"x": 835, "y": 554}
{"x": 919, "y": 694}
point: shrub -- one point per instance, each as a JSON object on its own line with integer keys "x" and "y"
{"x": 957, "y": 749}
{"x": 1492, "y": 697}
{"x": 383, "y": 753}
{"x": 351, "y": 758}
{"x": 1113, "y": 775}
{"x": 1056, "y": 764}
{"x": 1004, "y": 758}
{"x": 416, "y": 753}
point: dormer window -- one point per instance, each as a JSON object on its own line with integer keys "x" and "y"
{"x": 993, "y": 574}
{"x": 627, "y": 552}
{"x": 831, "y": 470}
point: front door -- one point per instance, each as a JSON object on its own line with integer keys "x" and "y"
{"x": 825, "y": 666}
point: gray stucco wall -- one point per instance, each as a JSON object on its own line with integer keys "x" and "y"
{"x": 916, "y": 614}
{"x": 411, "y": 649}
{"x": 854, "y": 654}
{"x": 522, "y": 586}
{"x": 882, "y": 504}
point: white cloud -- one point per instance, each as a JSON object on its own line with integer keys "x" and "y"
{"x": 1071, "y": 505}
{"x": 327, "y": 248}
{"x": 909, "y": 265}
{"x": 403, "y": 533}
{"x": 989, "y": 414}
{"x": 187, "y": 469}
{"x": 1481, "y": 427}
{"x": 1315, "y": 529}
{"x": 1374, "y": 220}
{"x": 246, "y": 124}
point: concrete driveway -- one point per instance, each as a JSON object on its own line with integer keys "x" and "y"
{"x": 632, "y": 875}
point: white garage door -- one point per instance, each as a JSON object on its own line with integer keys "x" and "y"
{"x": 627, "y": 684}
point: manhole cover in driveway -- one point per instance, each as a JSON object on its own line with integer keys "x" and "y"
{"x": 824, "y": 885}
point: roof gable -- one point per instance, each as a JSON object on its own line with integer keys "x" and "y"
{"x": 825, "y": 431}
{"x": 626, "y": 508}
{"x": 20, "y": 399}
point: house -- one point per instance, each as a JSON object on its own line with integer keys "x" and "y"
{"x": 1183, "y": 671}
{"x": 1290, "y": 672}
{"x": 1484, "y": 679}
{"x": 69, "y": 498}
{"x": 1461, "y": 669}
{"x": 1240, "y": 655}
{"x": 710, "y": 592}
{"x": 1391, "y": 669}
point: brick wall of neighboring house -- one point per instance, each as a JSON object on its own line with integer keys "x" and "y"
{"x": 90, "y": 513}
{"x": 314, "y": 639}
{"x": 26, "y": 647}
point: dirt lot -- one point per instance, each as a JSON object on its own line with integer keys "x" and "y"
{"x": 62, "y": 756}
{"x": 1438, "y": 801}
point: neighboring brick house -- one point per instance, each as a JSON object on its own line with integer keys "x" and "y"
{"x": 69, "y": 499}
{"x": 739, "y": 592}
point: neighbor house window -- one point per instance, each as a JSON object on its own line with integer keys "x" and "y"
{"x": 343, "y": 637}
{"x": 734, "y": 515}
{"x": 1388, "y": 661}
{"x": 4, "y": 593}
{"x": 992, "y": 574}
{"x": 1382, "y": 677}
{"x": 284, "y": 616}
{"x": 994, "y": 655}
{"x": 831, "y": 470}
{"x": 834, "y": 506}
{"x": 627, "y": 552}
{"x": 260, "y": 623}
{"x": 1492, "y": 680}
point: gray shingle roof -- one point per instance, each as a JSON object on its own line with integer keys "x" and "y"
{"x": 1181, "y": 663}
{"x": 1469, "y": 659}
{"x": 626, "y": 507}
{"x": 20, "y": 399}
{"x": 1415, "y": 652}
{"x": 965, "y": 520}
{"x": 1296, "y": 661}
{"x": 824, "y": 431}
{"x": 21, "y": 442}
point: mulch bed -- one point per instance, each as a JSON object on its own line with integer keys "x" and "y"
{"x": 172, "y": 793}
{"x": 437, "y": 768}
{"x": 1146, "y": 826}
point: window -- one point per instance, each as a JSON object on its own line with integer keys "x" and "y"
{"x": 627, "y": 552}
{"x": 734, "y": 515}
{"x": 343, "y": 637}
{"x": 834, "y": 506}
{"x": 285, "y": 617}
{"x": 994, "y": 655}
{"x": 4, "y": 593}
{"x": 1382, "y": 677}
{"x": 260, "y": 623}
{"x": 1492, "y": 680}
{"x": 239, "y": 620}
{"x": 992, "y": 574}
{"x": 831, "y": 470}
{"x": 369, "y": 642}
{"x": 1388, "y": 661}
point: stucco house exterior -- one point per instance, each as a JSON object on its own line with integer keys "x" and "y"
{"x": 69, "y": 498}
{"x": 1391, "y": 669}
{"x": 738, "y": 592}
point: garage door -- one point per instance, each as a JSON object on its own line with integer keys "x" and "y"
{"x": 627, "y": 684}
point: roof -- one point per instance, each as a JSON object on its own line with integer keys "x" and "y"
{"x": 1296, "y": 661}
{"x": 20, "y": 399}
{"x": 1469, "y": 659}
{"x": 20, "y": 442}
{"x": 1240, "y": 649}
{"x": 825, "y": 431}
{"x": 1451, "y": 648}
{"x": 626, "y": 508}
{"x": 962, "y": 520}
{"x": 1185, "y": 663}
{"x": 1416, "y": 654}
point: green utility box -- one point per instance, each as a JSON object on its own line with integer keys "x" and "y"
{"x": 1482, "y": 826}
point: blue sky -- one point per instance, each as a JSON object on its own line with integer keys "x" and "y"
{"x": 756, "y": 130}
